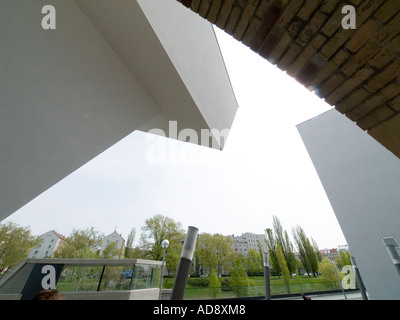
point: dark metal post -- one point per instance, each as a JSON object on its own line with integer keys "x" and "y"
{"x": 359, "y": 280}
{"x": 164, "y": 245}
{"x": 101, "y": 278}
{"x": 182, "y": 275}
{"x": 266, "y": 277}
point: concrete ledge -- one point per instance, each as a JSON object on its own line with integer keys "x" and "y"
{"x": 144, "y": 294}
{"x": 15, "y": 296}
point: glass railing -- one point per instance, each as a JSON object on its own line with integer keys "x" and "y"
{"x": 75, "y": 278}
{"x": 231, "y": 292}
{"x": 117, "y": 279}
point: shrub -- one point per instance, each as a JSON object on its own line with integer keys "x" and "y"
{"x": 198, "y": 282}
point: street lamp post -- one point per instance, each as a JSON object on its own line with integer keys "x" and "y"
{"x": 182, "y": 275}
{"x": 164, "y": 245}
{"x": 266, "y": 277}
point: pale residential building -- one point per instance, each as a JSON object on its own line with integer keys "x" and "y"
{"x": 240, "y": 245}
{"x": 333, "y": 253}
{"x": 343, "y": 247}
{"x": 50, "y": 242}
{"x": 256, "y": 241}
{"x": 243, "y": 243}
{"x": 118, "y": 239}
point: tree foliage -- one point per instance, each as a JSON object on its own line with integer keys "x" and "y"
{"x": 308, "y": 256}
{"x": 157, "y": 229}
{"x": 84, "y": 243}
{"x": 343, "y": 259}
{"x": 15, "y": 244}
{"x": 129, "y": 250}
{"x": 214, "y": 284}
{"x": 328, "y": 272}
{"x": 254, "y": 261}
{"x": 279, "y": 237}
{"x": 272, "y": 246}
{"x": 282, "y": 239}
{"x": 214, "y": 252}
{"x": 283, "y": 266}
{"x": 239, "y": 279}
{"x": 111, "y": 251}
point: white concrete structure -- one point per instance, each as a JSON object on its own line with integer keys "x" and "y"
{"x": 362, "y": 181}
{"x": 50, "y": 242}
{"x": 107, "y": 69}
{"x": 118, "y": 239}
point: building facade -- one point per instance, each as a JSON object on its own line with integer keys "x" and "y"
{"x": 362, "y": 181}
{"x": 50, "y": 242}
{"x": 333, "y": 253}
{"x": 119, "y": 241}
{"x": 243, "y": 243}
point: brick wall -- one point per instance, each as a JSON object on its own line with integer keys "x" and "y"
{"x": 355, "y": 70}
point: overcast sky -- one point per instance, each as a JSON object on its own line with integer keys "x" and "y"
{"x": 264, "y": 170}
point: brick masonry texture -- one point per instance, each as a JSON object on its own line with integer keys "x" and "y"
{"x": 355, "y": 70}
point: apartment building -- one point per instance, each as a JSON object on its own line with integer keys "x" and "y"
{"x": 51, "y": 241}
{"x": 243, "y": 243}
{"x": 333, "y": 253}
{"x": 118, "y": 239}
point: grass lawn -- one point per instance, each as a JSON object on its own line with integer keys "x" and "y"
{"x": 296, "y": 285}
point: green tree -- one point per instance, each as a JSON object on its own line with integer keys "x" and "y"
{"x": 328, "y": 273}
{"x": 15, "y": 244}
{"x": 284, "y": 267}
{"x": 172, "y": 256}
{"x": 214, "y": 284}
{"x": 239, "y": 281}
{"x": 254, "y": 261}
{"x": 272, "y": 245}
{"x": 84, "y": 243}
{"x": 214, "y": 252}
{"x": 316, "y": 250}
{"x": 306, "y": 251}
{"x": 129, "y": 250}
{"x": 282, "y": 238}
{"x": 343, "y": 259}
{"x": 111, "y": 251}
{"x": 157, "y": 229}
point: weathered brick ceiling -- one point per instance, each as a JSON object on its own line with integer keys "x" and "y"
{"x": 355, "y": 70}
